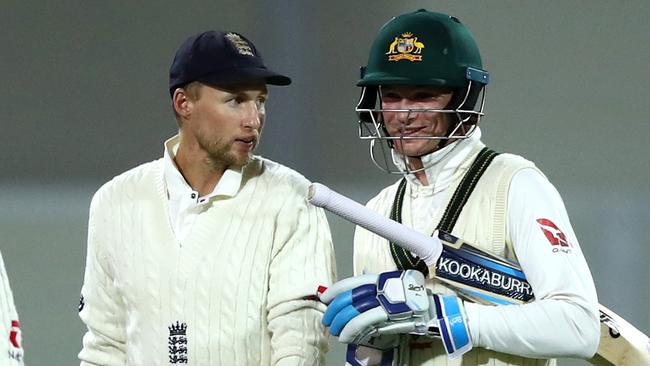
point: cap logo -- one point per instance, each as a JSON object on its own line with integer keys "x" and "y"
{"x": 240, "y": 44}
{"x": 405, "y": 47}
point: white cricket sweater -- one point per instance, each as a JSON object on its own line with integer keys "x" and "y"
{"x": 11, "y": 351}
{"x": 501, "y": 217}
{"x": 237, "y": 290}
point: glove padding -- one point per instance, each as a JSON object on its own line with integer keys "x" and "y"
{"x": 379, "y": 351}
{"x": 394, "y": 303}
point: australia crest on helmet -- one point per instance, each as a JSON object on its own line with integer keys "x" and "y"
{"x": 405, "y": 47}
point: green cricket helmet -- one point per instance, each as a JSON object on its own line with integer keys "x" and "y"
{"x": 423, "y": 48}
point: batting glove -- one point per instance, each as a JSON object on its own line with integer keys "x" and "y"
{"x": 378, "y": 351}
{"x": 394, "y": 303}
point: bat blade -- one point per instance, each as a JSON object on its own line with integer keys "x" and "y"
{"x": 621, "y": 344}
{"x": 480, "y": 276}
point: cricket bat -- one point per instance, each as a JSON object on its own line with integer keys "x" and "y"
{"x": 481, "y": 277}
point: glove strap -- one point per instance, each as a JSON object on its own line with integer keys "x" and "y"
{"x": 453, "y": 328}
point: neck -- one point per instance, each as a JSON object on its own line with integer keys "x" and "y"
{"x": 197, "y": 168}
{"x": 415, "y": 164}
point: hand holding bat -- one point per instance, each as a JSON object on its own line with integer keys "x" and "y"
{"x": 621, "y": 344}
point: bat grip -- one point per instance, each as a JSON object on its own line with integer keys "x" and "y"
{"x": 426, "y": 247}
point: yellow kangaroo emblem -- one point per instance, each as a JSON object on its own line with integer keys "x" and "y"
{"x": 391, "y": 49}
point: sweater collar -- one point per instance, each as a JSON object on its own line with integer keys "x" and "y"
{"x": 228, "y": 185}
{"x": 442, "y": 164}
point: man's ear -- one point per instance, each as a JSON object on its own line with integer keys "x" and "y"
{"x": 181, "y": 103}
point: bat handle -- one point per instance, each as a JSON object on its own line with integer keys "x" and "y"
{"x": 426, "y": 247}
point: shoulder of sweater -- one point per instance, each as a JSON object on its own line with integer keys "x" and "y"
{"x": 509, "y": 166}
{"x": 281, "y": 176}
{"x": 129, "y": 180}
{"x": 511, "y": 161}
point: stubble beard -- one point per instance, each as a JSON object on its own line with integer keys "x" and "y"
{"x": 221, "y": 155}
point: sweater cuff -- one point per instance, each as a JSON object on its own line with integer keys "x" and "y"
{"x": 297, "y": 361}
{"x": 472, "y": 311}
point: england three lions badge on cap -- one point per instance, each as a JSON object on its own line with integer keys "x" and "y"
{"x": 240, "y": 44}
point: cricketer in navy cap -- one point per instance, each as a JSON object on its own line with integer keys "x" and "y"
{"x": 200, "y": 224}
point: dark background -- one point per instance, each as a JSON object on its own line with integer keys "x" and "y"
{"x": 84, "y": 97}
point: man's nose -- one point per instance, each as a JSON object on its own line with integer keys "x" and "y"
{"x": 253, "y": 116}
{"x": 407, "y": 115}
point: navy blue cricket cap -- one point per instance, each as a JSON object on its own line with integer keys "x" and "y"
{"x": 220, "y": 58}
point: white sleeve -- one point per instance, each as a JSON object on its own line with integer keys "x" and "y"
{"x": 11, "y": 351}
{"x": 100, "y": 307}
{"x": 303, "y": 259}
{"x": 563, "y": 319}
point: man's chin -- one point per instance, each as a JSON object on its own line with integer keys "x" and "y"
{"x": 242, "y": 161}
{"x": 416, "y": 152}
{"x": 230, "y": 160}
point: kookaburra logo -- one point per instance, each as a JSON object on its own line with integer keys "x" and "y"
{"x": 480, "y": 275}
{"x": 406, "y": 47}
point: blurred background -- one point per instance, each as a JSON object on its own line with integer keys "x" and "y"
{"x": 84, "y": 97}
